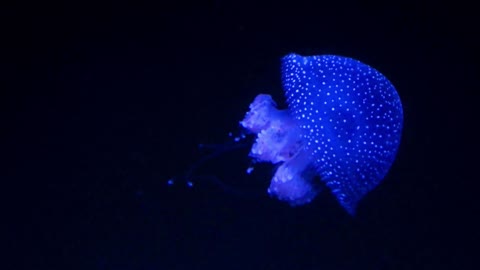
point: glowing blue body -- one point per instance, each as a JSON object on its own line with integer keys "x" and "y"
{"x": 345, "y": 121}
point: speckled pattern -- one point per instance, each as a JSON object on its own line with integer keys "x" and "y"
{"x": 351, "y": 119}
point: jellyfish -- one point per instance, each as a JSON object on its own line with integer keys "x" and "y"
{"x": 342, "y": 128}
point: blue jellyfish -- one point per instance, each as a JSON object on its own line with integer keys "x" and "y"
{"x": 343, "y": 124}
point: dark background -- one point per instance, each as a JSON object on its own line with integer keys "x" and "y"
{"x": 101, "y": 104}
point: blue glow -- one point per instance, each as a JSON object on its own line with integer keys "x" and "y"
{"x": 343, "y": 123}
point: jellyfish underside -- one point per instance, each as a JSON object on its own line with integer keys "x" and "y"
{"x": 279, "y": 141}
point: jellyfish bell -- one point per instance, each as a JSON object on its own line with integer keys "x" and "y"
{"x": 343, "y": 123}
